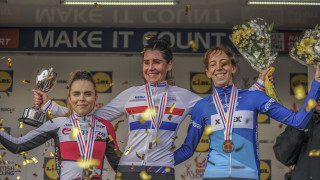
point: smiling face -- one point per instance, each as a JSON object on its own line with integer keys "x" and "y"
{"x": 220, "y": 68}
{"x": 155, "y": 67}
{"x": 82, "y": 97}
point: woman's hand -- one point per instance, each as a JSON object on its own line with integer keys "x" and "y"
{"x": 263, "y": 74}
{"x": 40, "y": 98}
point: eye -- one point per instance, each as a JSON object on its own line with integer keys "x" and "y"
{"x": 146, "y": 62}
{"x": 88, "y": 94}
{"x": 75, "y": 93}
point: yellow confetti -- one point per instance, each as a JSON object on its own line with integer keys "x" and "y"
{"x": 2, "y": 155}
{"x": 124, "y": 82}
{"x": 186, "y": 12}
{"x": 299, "y": 92}
{"x": 314, "y": 152}
{"x": 145, "y": 176}
{"x": 18, "y": 177}
{"x": 211, "y": 163}
{"x": 26, "y": 81}
{"x": 29, "y": 161}
{"x": 208, "y": 130}
{"x": 149, "y": 37}
{"x": 5, "y": 162}
{"x": 110, "y": 138}
{"x": 174, "y": 138}
{"x": 34, "y": 160}
{"x": 110, "y": 84}
{"x": 310, "y": 105}
{"x": 147, "y": 129}
{"x": 10, "y": 111}
{"x": 24, "y": 163}
{"x": 150, "y": 145}
{"x": 158, "y": 140}
{"x": 75, "y": 132}
{"x": 50, "y": 116}
{"x": 2, "y": 129}
{"x": 84, "y": 164}
{"x": 51, "y": 154}
{"x": 128, "y": 150}
{"x": 168, "y": 169}
{"x": 0, "y": 122}
{"x": 117, "y": 124}
{"x": 193, "y": 46}
{"x": 140, "y": 157}
{"x": 146, "y": 115}
{"x": 132, "y": 167}
{"x": 9, "y": 63}
{"x": 119, "y": 153}
{"x": 172, "y": 107}
{"x": 204, "y": 160}
{"x": 97, "y": 5}
{"x": 21, "y": 124}
{"x": 169, "y": 117}
{"x": 143, "y": 50}
{"x": 118, "y": 176}
{"x": 17, "y": 166}
{"x": 7, "y": 93}
{"x": 172, "y": 148}
{"x": 44, "y": 152}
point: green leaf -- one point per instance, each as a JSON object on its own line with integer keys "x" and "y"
{"x": 316, "y": 28}
{"x": 246, "y": 23}
{"x": 271, "y": 27}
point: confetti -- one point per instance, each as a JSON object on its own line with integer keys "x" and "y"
{"x": 314, "y": 152}
{"x": 6, "y": 178}
{"x": 158, "y": 140}
{"x": 140, "y": 157}
{"x": 168, "y": 169}
{"x": 24, "y": 163}
{"x": 84, "y": 164}
{"x": 183, "y": 177}
{"x": 17, "y": 166}
{"x": 174, "y": 138}
{"x": 11, "y": 111}
{"x": 123, "y": 143}
{"x": 211, "y": 163}
{"x": 2, "y": 129}
{"x": 124, "y": 82}
{"x": 34, "y": 160}
{"x": 149, "y": 37}
{"x": 50, "y": 116}
{"x": 204, "y": 160}
{"x": 29, "y": 161}
{"x": 240, "y": 148}
{"x": 7, "y": 93}
{"x": 18, "y": 177}
{"x": 169, "y": 117}
{"x": 26, "y": 81}
{"x": 9, "y": 63}
{"x": 119, "y": 153}
{"x": 238, "y": 167}
{"x": 110, "y": 84}
{"x": 51, "y": 154}
{"x": 150, "y": 145}
{"x": 117, "y": 124}
{"x": 143, "y": 51}
{"x": 2, "y": 155}
{"x": 186, "y": 12}
{"x": 97, "y": 5}
{"x": 128, "y": 150}
{"x": 21, "y": 124}
{"x": 132, "y": 167}
{"x": 299, "y": 92}
{"x": 147, "y": 129}
{"x": 310, "y": 105}
{"x": 119, "y": 174}
{"x": 0, "y": 122}
{"x": 208, "y": 130}
{"x": 280, "y": 125}
{"x": 145, "y": 176}
{"x": 172, "y": 148}
{"x": 172, "y": 107}
{"x": 110, "y": 138}
{"x": 44, "y": 152}
{"x": 193, "y": 46}
{"x": 75, "y": 132}
{"x": 35, "y": 174}
{"x": 5, "y": 162}
{"x": 146, "y": 115}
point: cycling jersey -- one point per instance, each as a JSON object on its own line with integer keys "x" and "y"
{"x": 133, "y": 103}
{"x": 243, "y": 161}
{"x": 66, "y": 148}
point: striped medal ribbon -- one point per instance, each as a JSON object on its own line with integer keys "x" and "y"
{"x": 227, "y": 118}
{"x": 156, "y": 116}
{"x": 85, "y": 148}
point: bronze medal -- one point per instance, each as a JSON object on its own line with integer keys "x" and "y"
{"x": 228, "y": 146}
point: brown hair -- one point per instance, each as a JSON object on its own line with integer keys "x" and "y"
{"x": 75, "y": 76}
{"x": 218, "y": 50}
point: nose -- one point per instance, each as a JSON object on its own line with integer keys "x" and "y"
{"x": 81, "y": 97}
{"x": 151, "y": 66}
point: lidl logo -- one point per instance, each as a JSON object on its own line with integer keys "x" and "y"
{"x": 265, "y": 169}
{"x": 263, "y": 119}
{"x": 50, "y": 170}
{"x": 103, "y": 81}
{"x": 200, "y": 83}
{"x": 203, "y": 145}
{"x": 6, "y": 81}
{"x": 298, "y": 79}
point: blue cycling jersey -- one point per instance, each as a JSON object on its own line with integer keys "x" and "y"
{"x": 243, "y": 162}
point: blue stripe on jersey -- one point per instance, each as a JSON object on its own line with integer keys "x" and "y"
{"x": 170, "y": 126}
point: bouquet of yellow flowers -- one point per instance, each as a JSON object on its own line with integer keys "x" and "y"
{"x": 307, "y": 50}
{"x": 253, "y": 41}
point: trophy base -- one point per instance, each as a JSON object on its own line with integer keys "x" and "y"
{"x": 33, "y": 117}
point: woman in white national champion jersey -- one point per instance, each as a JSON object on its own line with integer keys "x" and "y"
{"x": 149, "y": 142}
{"x": 92, "y": 144}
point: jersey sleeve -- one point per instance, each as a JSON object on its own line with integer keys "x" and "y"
{"x": 116, "y": 107}
{"x": 187, "y": 97}
{"x": 195, "y": 130}
{"x": 31, "y": 140}
{"x": 54, "y": 108}
{"x": 259, "y": 85}
{"x": 276, "y": 111}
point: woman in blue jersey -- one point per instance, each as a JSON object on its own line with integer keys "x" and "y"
{"x": 144, "y": 151}
{"x": 232, "y": 114}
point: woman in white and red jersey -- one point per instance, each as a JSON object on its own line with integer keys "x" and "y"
{"x": 93, "y": 143}
{"x": 168, "y": 106}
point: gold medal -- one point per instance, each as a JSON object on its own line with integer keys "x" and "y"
{"x": 228, "y": 146}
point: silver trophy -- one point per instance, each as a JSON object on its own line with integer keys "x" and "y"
{"x": 45, "y": 81}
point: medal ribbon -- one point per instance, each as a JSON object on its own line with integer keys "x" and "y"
{"x": 156, "y": 117}
{"x": 85, "y": 149}
{"x": 227, "y": 119}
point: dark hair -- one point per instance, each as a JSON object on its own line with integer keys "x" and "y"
{"x": 217, "y": 50}
{"x": 75, "y": 76}
{"x": 162, "y": 45}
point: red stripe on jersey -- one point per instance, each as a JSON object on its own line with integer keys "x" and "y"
{"x": 141, "y": 109}
{"x": 110, "y": 130}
